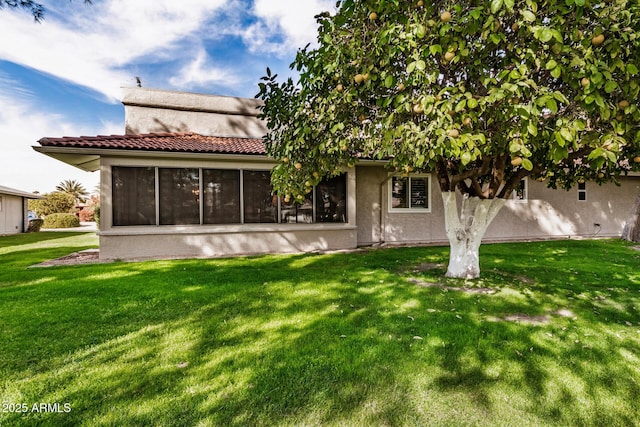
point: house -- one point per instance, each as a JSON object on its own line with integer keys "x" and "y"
{"x": 13, "y": 210}
{"x": 190, "y": 178}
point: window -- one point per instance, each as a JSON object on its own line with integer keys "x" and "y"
{"x": 260, "y": 204}
{"x": 331, "y": 199}
{"x": 0, "y": 203}
{"x": 179, "y": 196}
{"x": 194, "y": 196}
{"x": 521, "y": 192}
{"x": 410, "y": 194}
{"x": 134, "y": 200}
{"x": 221, "y": 196}
{"x": 582, "y": 191}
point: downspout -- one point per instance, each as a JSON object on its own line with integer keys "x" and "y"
{"x": 381, "y": 222}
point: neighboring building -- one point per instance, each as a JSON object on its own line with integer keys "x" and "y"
{"x": 190, "y": 178}
{"x": 13, "y": 210}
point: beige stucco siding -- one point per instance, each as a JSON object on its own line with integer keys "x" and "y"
{"x": 158, "y": 111}
{"x": 545, "y": 214}
{"x": 559, "y": 213}
{"x": 187, "y": 242}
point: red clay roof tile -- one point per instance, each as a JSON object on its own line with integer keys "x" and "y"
{"x": 172, "y": 142}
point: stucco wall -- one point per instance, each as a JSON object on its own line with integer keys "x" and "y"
{"x": 187, "y": 242}
{"x": 545, "y": 214}
{"x": 11, "y": 214}
{"x": 139, "y": 242}
{"x": 157, "y": 111}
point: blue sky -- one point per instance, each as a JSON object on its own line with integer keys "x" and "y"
{"x": 63, "y": 76}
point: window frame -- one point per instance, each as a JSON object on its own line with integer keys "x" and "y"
{"x": 391, "y": 209}
{"x": 582, "y": 191}
{"x": 201, "y": 196}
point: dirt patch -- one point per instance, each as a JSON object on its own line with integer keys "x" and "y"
{"x": 526, "y": 318}
{"x": 425, "y": 284}
{"x": 88, "y": 256}
{"x": 421, "y": 268}
{"x": 533, "y": 320}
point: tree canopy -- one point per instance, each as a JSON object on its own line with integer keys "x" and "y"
{"x": 483, "y": 93}
{"x": 73, "y": 188}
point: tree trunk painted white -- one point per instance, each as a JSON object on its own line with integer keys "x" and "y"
{"x": 465, "y": 231}
{"x": 631, "y": 230}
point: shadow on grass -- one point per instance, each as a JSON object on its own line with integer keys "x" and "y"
{"x": 327, "y": 340}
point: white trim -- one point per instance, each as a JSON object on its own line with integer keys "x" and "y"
{"x": 136, "y": 230}
{"x": 393, "y": 210}
{"x": 582, "y": 191}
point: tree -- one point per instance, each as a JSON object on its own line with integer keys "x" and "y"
{"x": 36, "y": 9}
{"x": 73, "y": 188}
{"x": 481, "y": 93}
{"x": 54, "y": 202}
{"x": 631, "y": 231}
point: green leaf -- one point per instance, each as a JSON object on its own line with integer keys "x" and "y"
{"x": 526, "y": 163}
{"x": 598, "y": 152}
{"x": 509, "y": 4}
{"x": 556, "y": 72}
{"x": 421, "y": 65}
{"x": 610, "y": 86}
{"x": 411, "y": 66}
{"x": 552, "y": 105}
{"x": 566, "y": 134}
{"x": 472, "y": 103}
{"x": 528, "y": 15}
{"x": 543, "y": 34}
{"x": 551, "y": 64}
{"x": 496, "y": 5}
{"x": 532, "y": 129}
{"x": 435, "y": 49}
{"x": 495, "y": 38}
{"x": 338, "y": 126}
{"x": 465, "y": 158}
{"x": 632, "y": 69}
{"x": 389, "y": 81}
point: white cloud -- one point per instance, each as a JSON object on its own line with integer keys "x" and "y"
{"x": 201, "y": 72}
{"x": 285, "y": 25}
{"x": 97, "y": 43}
{"x": 25, "y": 169}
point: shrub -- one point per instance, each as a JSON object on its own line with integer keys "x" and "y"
{"x": 87, "y": 214}
{"x": 61, "y": 220}
{"x": 35, "y": 225}
{"x": 55, "y": 202}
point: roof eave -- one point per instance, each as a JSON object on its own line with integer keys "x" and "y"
{"x": 88, "y": 159}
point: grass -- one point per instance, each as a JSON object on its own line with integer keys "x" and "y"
{"x": 549, "y": 336}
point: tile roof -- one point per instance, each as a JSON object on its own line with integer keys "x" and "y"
{"x": 168, "y": 142}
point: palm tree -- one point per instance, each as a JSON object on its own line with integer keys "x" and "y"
{"x": 74, "y": 188}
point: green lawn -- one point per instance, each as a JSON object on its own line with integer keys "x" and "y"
{"x": 549, "y": 336}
